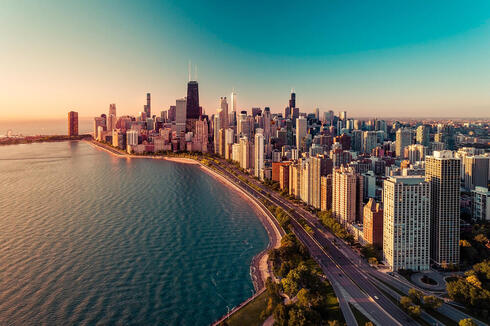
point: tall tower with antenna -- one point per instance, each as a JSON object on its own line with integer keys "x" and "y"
{"x": 192, "y": 109}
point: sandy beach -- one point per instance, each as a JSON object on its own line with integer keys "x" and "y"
{"x": 259, "y": 269}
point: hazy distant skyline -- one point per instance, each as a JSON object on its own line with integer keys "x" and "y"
{"x": 383, "y": 58}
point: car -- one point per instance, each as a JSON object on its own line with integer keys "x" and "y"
{"x": 376, "y": 297}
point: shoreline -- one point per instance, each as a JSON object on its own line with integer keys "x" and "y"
{"x": 259, "y": 267}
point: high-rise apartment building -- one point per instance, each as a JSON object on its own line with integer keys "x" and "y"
{"x": 326, "y": 192}
{"x": 442, "y": 171}
{"x": 111, "y": 118}
{"x": 476, "y": 171}
{"x": 406, "y": 220}
{"x": 246, "y": 154}
{"x": 99, "y": 122}
{"x": 229, "y": 139}
{"x": 369, "y": 141}
{"x": 301, "y": 130}
{"x": 284, "y": 176}
{"x": 403, "y": 139}
{"x": 223, "y": 114}
{"x": 180, "y": 115}
{"x": 423, "y": 135}
{"x": 294, "y": 180}
{"x": 259, "y": 151}
{"x": 415, "y": 152}
{"x": 480, "y": 204}
{"x": 216, "y": 128}
{"x": 72, "y": 123}
{"x": 132, "y": 138}
{"x": 314, "y": 181}
{"x": 347, "y": 194}
{"x": 372, "y": 225}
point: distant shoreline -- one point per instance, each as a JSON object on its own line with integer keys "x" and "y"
{"x": 4, "y": 141}
{"x": 259, "y": 268}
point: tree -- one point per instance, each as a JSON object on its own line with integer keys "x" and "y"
{"x": 304, "y": 298}
{"x": 467, "y": 322}
{"x": 290, "y": 286}
{"x": 405, "y": 302}
{"x": 432, "y": 302}
{"x": 368, "y": 323}
{"x": 281, "y": 315}
{"x": 373, "y": 261}
{"x": 414, "y": 310}
{"x": 297, "y": 317}
{"x": 415, "y": 295}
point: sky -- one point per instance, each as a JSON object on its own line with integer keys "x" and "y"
{"x": 370, "y": 58}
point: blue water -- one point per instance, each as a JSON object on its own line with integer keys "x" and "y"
{"x": 90, "y": 239}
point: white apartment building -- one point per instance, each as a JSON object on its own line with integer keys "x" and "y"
{"x": 406, "y": 223}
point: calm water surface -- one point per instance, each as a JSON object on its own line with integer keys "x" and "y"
{"x": 90, "y": 239}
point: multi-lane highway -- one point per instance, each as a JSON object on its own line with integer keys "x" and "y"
{"x": 354, "y": 281}
{"x": 350, "y": 284}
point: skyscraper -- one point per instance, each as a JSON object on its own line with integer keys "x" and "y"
{"x": 475, "y": 171}
{"x": 216, "y": 128}
{"x": 233, "y": 101}
{"x": 406, "y": 220}
{"x": 369, "y": 141}
{"x": 326, "y": 192}
{"x": 192, "y": 105}
{"x": 442, "y": 171}
{"x": 373, "y": 223}
{"x": 314, "y": 181}
{"x": 223, "y": 114}
{"x": 403, "y": 139}
{"x": 111, "y": 118}
{"x": 347, "y": 193}
{"x": 148, "y": 105}
{"x": 423, "y": 135}
{"x": 267, "y": 123}
{"x": 292, "y": 100}
{"x": 259, "y": 151}
{"x": 301, "y": 129}
{"x": 72, "y": 123}
{"x": 180, "y": 115}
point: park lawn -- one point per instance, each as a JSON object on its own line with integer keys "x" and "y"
{"x": 360, "y": 318}
{"x": 333, "y": 307}
{"x": 250, "y": 314}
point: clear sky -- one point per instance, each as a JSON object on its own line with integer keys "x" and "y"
{"x": 371, "y": 58}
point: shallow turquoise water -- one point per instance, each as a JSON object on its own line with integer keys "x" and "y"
{"x": 90, "y": 239}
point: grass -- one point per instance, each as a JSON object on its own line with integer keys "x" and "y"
{"x": 250, "y": 314}
{"x": 360, "y": 318}
{"x": 333, "y": 307}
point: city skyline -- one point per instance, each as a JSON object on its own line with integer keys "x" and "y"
{"x": 432, "y": 61}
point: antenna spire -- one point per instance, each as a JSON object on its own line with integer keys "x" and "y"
{"x": 189, "y": 70}
{"x": 195, "y": 72}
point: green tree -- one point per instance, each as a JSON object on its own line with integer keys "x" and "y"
{"x": 432, "y": 302}
{"x": 414, "y": 310}
{"x": 297, "y": 317}
{"x": 304, "y": 298}
{"x": 405, "y": 302}
{"x": 415, "y": 295}
{"x": 280, "y": 315}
